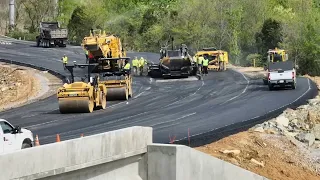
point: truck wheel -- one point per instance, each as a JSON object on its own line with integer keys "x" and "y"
{"x": 38, "y": 42}
{"x": 265, "y": 82}
{"x": 25, "y": 145}
{"x": 270, "y": 87}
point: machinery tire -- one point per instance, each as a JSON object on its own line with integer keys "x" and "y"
{"x": 270, "y": 87}
{"x": 26, "y": 145}
{"x": 265, "y": 82}
{"x": 76, "y": 106}
{"x": 120, "y": 93}
{"x": 38, "y": 42}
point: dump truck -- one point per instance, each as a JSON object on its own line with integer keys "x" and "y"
{"x": 108, "y": 53}
{"x": 81, "y": 96}
{"x": 51, "y": 35}
{"x": 274, "y": 55}
{"x": 173, "y": 63}
{"x": 218, "y": 59}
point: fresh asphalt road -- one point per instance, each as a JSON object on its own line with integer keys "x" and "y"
{"x": 173, "y": 108}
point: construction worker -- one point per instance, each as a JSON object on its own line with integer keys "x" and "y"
{"x": 221, "y": 60}
{"x": 87, "y": 55}
{"x": 64, "y": 61}
{"x": 127, "y": 67}
{"x": 205, "y": 63}
{"x": 135, "y": 64}
{"x": 200, "y": 60}
{"x": 141, "y": 65}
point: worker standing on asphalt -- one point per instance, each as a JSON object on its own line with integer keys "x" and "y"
{"x": 221, "y": 61}
{"x": 205, "y": 63}
{"x": 127, "y": 67}
{"x": 87, "y": 55}
{"x": 64, "y": 61}
{"x": 141, "y": 65}
{"x": 200, "y": 61}
{"x": 135, "y": 64}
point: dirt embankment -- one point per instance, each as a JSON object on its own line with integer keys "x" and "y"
{"x": 284, "y": 148}
{"x": 22, "y": 85}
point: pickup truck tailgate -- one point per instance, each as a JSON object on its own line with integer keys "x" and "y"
{"x": 280, "y": 75}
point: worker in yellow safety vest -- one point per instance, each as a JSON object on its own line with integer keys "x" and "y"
{"x": 205, "y": 63}
{"x": 135, "y": 64}
{"x": 221, "y": 60}
{"x": 87, "y": 54}
{"x": 127, "y": 67}
{"x": 200, "y": 61}
{"x": 64, "y": 61}
{"x": 142, "y": 62}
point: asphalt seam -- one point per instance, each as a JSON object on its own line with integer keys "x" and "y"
{"x": 244, "y": 90}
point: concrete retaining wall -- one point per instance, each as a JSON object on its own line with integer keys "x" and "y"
{"x": 88, "y": 157}
{"x": 176, "y": 162}
{"x": 126, "y": 154}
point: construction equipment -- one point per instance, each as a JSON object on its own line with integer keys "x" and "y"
{"x": 173, "y": 63}
{"x": 51, "y": 35}
{"x": 275, "y": 55}
{"x": 108, "y": 53}
{"x": 81, "y": 97}
{"x": 218, "y": 59}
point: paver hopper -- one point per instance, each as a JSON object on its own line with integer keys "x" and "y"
{"x": 81, "y": 97}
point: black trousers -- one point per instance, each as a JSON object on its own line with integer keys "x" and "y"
{"x": 205, "y": 69}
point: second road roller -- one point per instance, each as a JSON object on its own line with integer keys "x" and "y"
{"x": 82, "y": 97}
{"x": 107, "y": 51}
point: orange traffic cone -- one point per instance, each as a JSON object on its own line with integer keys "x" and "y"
{"x": 58, "y": 138}
{"x": 36, "y": 142}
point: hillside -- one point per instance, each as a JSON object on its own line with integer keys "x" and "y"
{"x": 245, "y": 28}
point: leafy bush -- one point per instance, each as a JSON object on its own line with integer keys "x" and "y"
{"x": 23, "y": 35}
{"x": 258, "y": 60}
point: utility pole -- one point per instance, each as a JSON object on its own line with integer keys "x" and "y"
{"x": 11, "y": 15}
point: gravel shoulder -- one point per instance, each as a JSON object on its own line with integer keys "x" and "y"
{"x": 286, "y": 147}
{"x": 22, "y": 85}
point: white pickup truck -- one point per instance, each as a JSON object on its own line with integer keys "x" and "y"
{"x": 14, "y": 138}
{"x": 281, "y": 74}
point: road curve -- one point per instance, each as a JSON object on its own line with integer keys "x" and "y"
{"x": 175, "y": 109}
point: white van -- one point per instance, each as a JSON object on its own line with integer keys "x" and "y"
{"x": 14, "y": 138}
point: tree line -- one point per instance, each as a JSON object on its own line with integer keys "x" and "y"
{"x": 244, "y": 28}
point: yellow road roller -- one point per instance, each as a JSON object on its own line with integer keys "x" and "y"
{"x": 108, "y": 52}
{"x": 82, "y": 97}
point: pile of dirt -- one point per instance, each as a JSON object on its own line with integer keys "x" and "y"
{"x": 16, "y": 84}
{"x": 21, "y": 85}
{"x": 271, "y": 156}
{"x": 286, "y": 147}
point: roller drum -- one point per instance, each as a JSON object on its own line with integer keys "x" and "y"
{"x": 120, "y": 93}
{"x": 76, "y": 105}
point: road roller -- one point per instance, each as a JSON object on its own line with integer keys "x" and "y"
{"x": 82, "y": 97}
{"x": 107, "y": 51}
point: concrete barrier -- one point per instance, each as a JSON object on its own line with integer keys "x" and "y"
{"x": 126, "y": 154}
{"x": 177, "y": 162}
{"x": 117, "y": 154}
